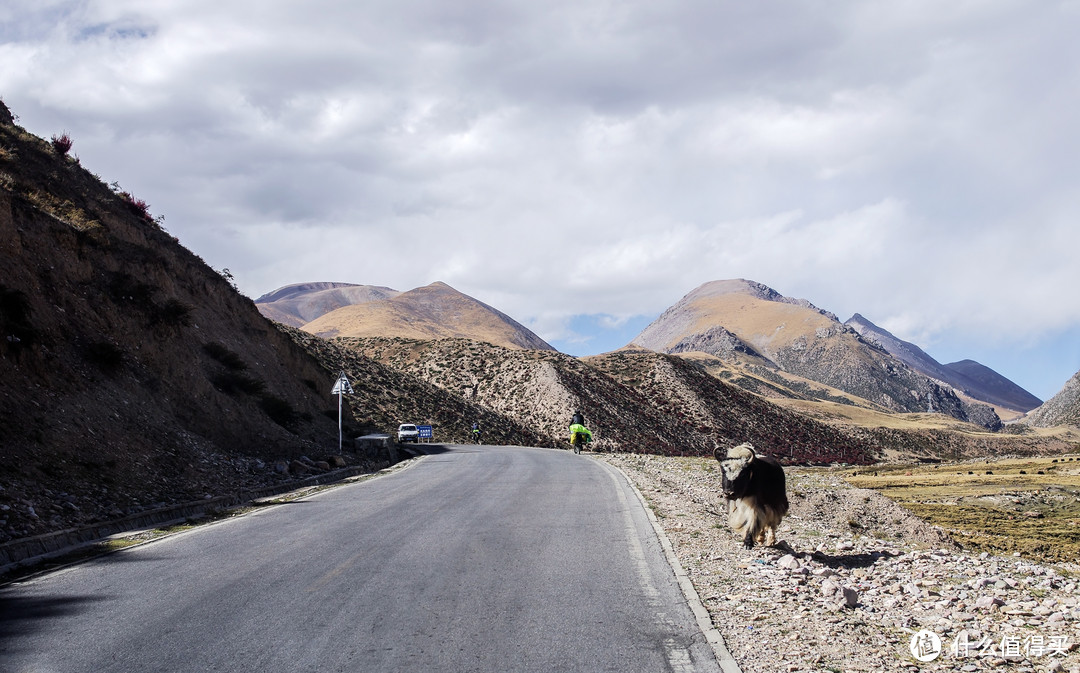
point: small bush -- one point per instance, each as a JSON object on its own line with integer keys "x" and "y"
{"x": 173, "y": 312}
{"x": 279, "y": 411}
{"x": 137, "y": 206}
{"x": 62, "y": 143}
{"x": 233, "y": 382}
{"x": 230, "y": 359}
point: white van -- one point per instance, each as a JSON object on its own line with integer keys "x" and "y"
{"x": 407, "y": 432}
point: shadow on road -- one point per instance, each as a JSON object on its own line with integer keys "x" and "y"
{"x": 431, "y": 449}
{"x": 21, "y": 615}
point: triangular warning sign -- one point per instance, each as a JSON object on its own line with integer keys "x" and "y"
{"x": 342, "y": 386}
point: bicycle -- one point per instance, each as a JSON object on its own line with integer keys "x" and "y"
{"x": 579, "y": 436}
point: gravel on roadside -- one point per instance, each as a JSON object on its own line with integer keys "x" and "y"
{"x": 857, "y": 583}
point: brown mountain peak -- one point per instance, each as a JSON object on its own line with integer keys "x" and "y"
{"x": 434, "y": 311}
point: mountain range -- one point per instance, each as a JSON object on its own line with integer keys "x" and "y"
{"x": 747, "y": 323}
{"x": 743, "y": 331}
{"x": 966, "y": 376}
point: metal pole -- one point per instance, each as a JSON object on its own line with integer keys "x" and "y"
{"x": 339, "y": 422}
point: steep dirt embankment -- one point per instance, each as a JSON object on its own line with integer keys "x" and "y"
{"x": 131, "y": 373}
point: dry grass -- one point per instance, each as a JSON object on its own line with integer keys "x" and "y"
{"x": 1025, "y": 505}
{"x": 831, "y": 412}
{"x": 750, "y": 318}
{"x": 435, "y": 311}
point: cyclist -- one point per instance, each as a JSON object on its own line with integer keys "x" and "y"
{"x": 476, "y": 432}
{"x": 579, "y": 436}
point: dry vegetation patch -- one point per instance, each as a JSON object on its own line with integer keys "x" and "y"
{"x": 1028, "y": 505}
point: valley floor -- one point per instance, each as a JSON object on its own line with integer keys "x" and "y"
{"x": 855, "y": 579}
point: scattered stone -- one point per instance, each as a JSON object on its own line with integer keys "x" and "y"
{"x": 298, "y": 468}
{"x": 829, "y": 600}
{"x": 851, "y": 597}
{"x": 988, "y": 602}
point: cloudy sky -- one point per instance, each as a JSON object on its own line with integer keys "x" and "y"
{"x": 581, "y": 165}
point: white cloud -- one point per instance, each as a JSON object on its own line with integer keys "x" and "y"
{"x": 911, "y": 161}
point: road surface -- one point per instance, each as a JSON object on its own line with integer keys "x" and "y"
{"x": 472, "y": 559}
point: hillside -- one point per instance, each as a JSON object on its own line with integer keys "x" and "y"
{"x": 1061, "y": 409}
{"x": 132, "y": 375}
{"x": 298, "y": 304}
{"x": 796, "y": 337}
{"x": 384, "y": 397}
{"x": 633, "y": 400}
{"x": 973, "y": 379}
{"x": 436, "y": 311}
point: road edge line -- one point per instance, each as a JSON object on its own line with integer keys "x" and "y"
{"x": 701, "y": 613}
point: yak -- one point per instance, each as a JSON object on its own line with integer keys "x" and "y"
{"x": 756, "y": 492}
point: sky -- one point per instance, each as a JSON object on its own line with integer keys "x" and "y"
{"x": 583, "y": 165}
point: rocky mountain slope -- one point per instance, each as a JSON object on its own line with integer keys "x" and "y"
{"x": 131, "y": 373}
{"x": 1061, "y": 409}
{"x": 743, "y": 317}
{"x": 970, "y": 377}
{"x": 298, "y": 304}
{"x": 436, "y": 311}
{"x": 641, "y": 401}
{"x": 384, "y": 397}
{"x": 539, "y": 389}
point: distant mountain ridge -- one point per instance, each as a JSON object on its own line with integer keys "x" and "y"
{"x": 298, "y": 304}
{"x": 435, "y": 311}
{"x": 744, "y": 317}
{"x": 968, "y": 376}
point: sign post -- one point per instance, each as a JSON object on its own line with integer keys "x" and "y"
{"x": 342, "y": 387}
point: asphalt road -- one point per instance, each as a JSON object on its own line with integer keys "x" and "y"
{"x": 474, "y": 559}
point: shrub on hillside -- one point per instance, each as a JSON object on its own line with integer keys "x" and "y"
{"x": 173, "y": 312}
{"x": 234, "y": 382}
{"x": 62, "y": 143}
{"x": 231, "y": 360}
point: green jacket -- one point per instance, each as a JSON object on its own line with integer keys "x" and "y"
{"x": 579, "y": 429}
